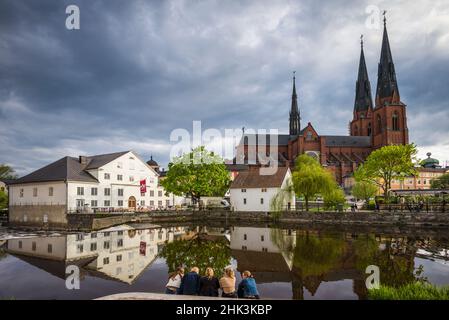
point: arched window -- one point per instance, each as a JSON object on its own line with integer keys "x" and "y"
{"x": 356, "y": 130}
{"x": 395, "y": 121}
{"x": 369, "y": 128}
{"x": 379, "y": 124}
{"x": 309, "y": 135}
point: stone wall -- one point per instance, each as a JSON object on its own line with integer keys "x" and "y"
{"x": 42, "y": 216}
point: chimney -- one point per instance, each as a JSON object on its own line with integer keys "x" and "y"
{"x": 83, "y": 159}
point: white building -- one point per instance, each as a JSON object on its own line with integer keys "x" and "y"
{"x": 251, "y": 191}
{"x": 101, "y": 183}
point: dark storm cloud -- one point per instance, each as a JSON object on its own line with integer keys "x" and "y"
{"x": 136, "y": 70}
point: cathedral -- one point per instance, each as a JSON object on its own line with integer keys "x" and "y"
{"x": 375, "y": 124}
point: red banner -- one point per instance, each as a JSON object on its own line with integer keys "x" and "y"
{"x": 143, "y": 186}
{"x": 143, "y": 248}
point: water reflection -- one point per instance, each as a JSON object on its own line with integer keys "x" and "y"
{"x": 298, "y": 264}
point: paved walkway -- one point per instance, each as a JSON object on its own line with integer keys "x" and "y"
{"x": 156, "y": 296}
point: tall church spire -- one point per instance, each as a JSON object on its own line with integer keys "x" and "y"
{"x": 387, "y": 87}
{"x": 363, "y": 99}
{"x": 294, "y": 112}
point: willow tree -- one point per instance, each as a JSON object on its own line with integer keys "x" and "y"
{"x": 364, "y": 190}
{"x": 388, "y": 163}
{"x": 197, "y": 174}
{"x": 310, "y": 179}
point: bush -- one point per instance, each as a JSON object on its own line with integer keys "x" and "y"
{"x": 412, "y": 291}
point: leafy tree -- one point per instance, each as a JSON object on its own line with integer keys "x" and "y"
{"x": 310, "y": 179}
{"x": 3, "y": 200}
{"x": 334, "y": 197}
{"x": 197, "y": 252}
{"x": 6, "y": 172}
{"x": 364, "y": 190}
{"x": 442, "y": 182}
{"x": 197, "y": 174}
{"x": 388, "y": 163}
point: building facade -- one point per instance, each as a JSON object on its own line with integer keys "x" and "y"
{"x": 374, "y": 125}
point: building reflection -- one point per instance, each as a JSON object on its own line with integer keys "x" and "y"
{"x": 118, "y": 253}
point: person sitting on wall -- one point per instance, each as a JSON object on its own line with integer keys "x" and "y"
{"x": 209, "y": 284}
{"x": 227, "y": 284}
{"x": 174, "y": 281}
{"x": 247, "y": 288}
{"x": 190, "y": 283}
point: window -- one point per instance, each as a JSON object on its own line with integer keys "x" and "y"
{"x": 245, "y": 237}
{"x": 79, "y": 237}
{"x": 159, "y": 235}
{"x": 264, "y": 189}
{"x": 309, "y": 135}
{"x": 369, "y": 128}
{"x": 142, "y": 203}
{"x": 395, "y": 121}
{"x": 118, "y": 271}
{"x": 93, "y": 236}
{"x": 131, "y": 178}
{"x": 264, "y": 250}
{"x": 120, "y": 192}
{"x": 106, "y": 245}
{"x": 120, "y": 243}
{"x": 244, "y": 200}
{"x": 93, "y": 246}
{"x": 425, "y": 181}
{"x": 93, "y": 191}
{"x": 159, "y": 193}
{"x": 79, "y": 248}
{"x": 243, "y": 190}
{"x": 379, "y": 124}
{"x": 151, "y": 193}
{"x": 356, "y": 131}
{"x": 262, "y": 238}
{"x": 33, "y": 246}
{"x": 94, "y": 203}
{"x": 20, "y": 244}
{"x": 50, "y": 191}
{"x": 107, "y": 203}
{"x": 34, "y": 192}
{"x": 261, "y": 200}
{"x": 106, "y": 234}
{"x": 106, "y": 260}
{"x": 80, "y": 191}
{"x": 119, "y": 258}
{"x": 21, "y": 193}
{"x": 244, "y": 248}
{"x": 120, "y": 203}
{"x": 151, "y": 202}
{"x": 107, "y": 176}
{"x": 159, "y": 203}
{"x": 167, "y": 203}
{"x": 107, "y": 191}
{"x": 120, "y": 233}
{"x": 120, "y": 177}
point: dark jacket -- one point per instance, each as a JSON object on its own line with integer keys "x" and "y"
{"x": 190, "y": 284}
{"x": 209, "y": 287}
{"x": 248, "y": 289}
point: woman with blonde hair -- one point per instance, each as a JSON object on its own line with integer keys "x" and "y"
{"x": 227, "y": 284}
{"x": 247, "y": 287}
{"x": 209, "y": 284}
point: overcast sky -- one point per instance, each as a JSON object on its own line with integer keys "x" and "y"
{"x": 136, "y": 70}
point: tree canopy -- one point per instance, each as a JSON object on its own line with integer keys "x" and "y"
{"x": 6, "y": 172}
{"x": 310, "y": 179}
{"x": 442, "y": 182}
{"x": 364, "y": 190}
{"x": 3, "y": 200}
{"x": 197, "y": 174}
{"x": 388, "y": 163}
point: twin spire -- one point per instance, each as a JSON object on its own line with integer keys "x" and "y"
{"x": 387, "y": 88}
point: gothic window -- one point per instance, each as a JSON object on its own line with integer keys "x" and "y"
{"x": 356, "y": 131}
{"x": 395, "y": 121}
{"x": 309, "y": 136}
{"x": 379, "y": 124}
{"x": 369, "y": 128}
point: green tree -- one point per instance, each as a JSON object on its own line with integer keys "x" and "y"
{"x": 3, "y": 200}
{"x": 333, "y": 198}
{"x": 310, "y": 179}
{"x": 442, "y": 182}
{"x": 364, "y": 190}
{"x": 388, "y": 163}
{"x": 6, "y": 172}
{"x": 197, "y": 174}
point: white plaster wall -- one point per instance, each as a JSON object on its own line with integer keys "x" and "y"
{"x": 43, "y": 197}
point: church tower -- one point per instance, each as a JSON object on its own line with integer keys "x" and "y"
{"x": 294, "y": 112}
{"x": 389, "y": 116}
{"x": 361, "y": 124}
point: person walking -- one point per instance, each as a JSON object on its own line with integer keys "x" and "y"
{"x": 227, "y": 284}
{"x": 174, "y": 281}
{"x": 209, "y": 284}
{"x": 247, "y": 288}
{"x": 190, "y": 283}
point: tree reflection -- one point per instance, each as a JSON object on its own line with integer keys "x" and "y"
{"x": 199, "y": 251}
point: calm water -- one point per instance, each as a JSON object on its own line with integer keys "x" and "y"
{"x": 287, "y": 264}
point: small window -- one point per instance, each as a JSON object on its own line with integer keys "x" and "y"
{"x": 94, "y": 203}
{"x": 120, "y": 233}
{"x": 79, "y": 237}
{"x": 261, "y": 200}
{"x": 395, "y": 121}
{"x": 50, "y": 191}
{"x": 93, "y": 246}
{"x": 80, "y": 191}
{"x": 34, "y": 192}
{"x": 106, "y": 245}
{"x": 309, "y": 135}
{"x": 93, "y": 191}
{"x": 20, "y": 244}
{"x": 262, "y": 238}
{"x": 106, "y": 260}
{"x": 159, "y": 203}
{"x": 120, "y": 192}
{"x": 142, "y": 203}
{"x": 79, "y": 248}
{"x": 151, "y": 202}
{"x": 119, "y": 177}
{"x": 107, "y": 203}
{"x": 264, "y": 189}
{"x": 106, "y": 234}
{"x": 243, "y": 190}
{"x": 120, "y": 203}
{"x": 107, "y": 176}
{"x": 244, "y": 200}
{"x": 50, "y": 248}
{"x": 167, "y": 203}
{"x": 244, "y": 248}
{"x": 151, "y": 193}
{"x": 159, "y": 193}
{"x": 120, "y": 243}
{"x": 131, "y": 178}
{"x": 21, "y": 193}
{"x": 107, "y": 191}
{"x": 245, "y": 237}
{"x": 264, "y": 250}
{"x": 93, "y": 236}
{"x": 119, "y": 257}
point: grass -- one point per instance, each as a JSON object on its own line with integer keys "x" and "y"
{"x": 412, "y": 291}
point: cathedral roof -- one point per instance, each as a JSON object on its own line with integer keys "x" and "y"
{"x": 348, "y": 141}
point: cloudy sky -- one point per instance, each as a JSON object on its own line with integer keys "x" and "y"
{"x": 136, "y": 70}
